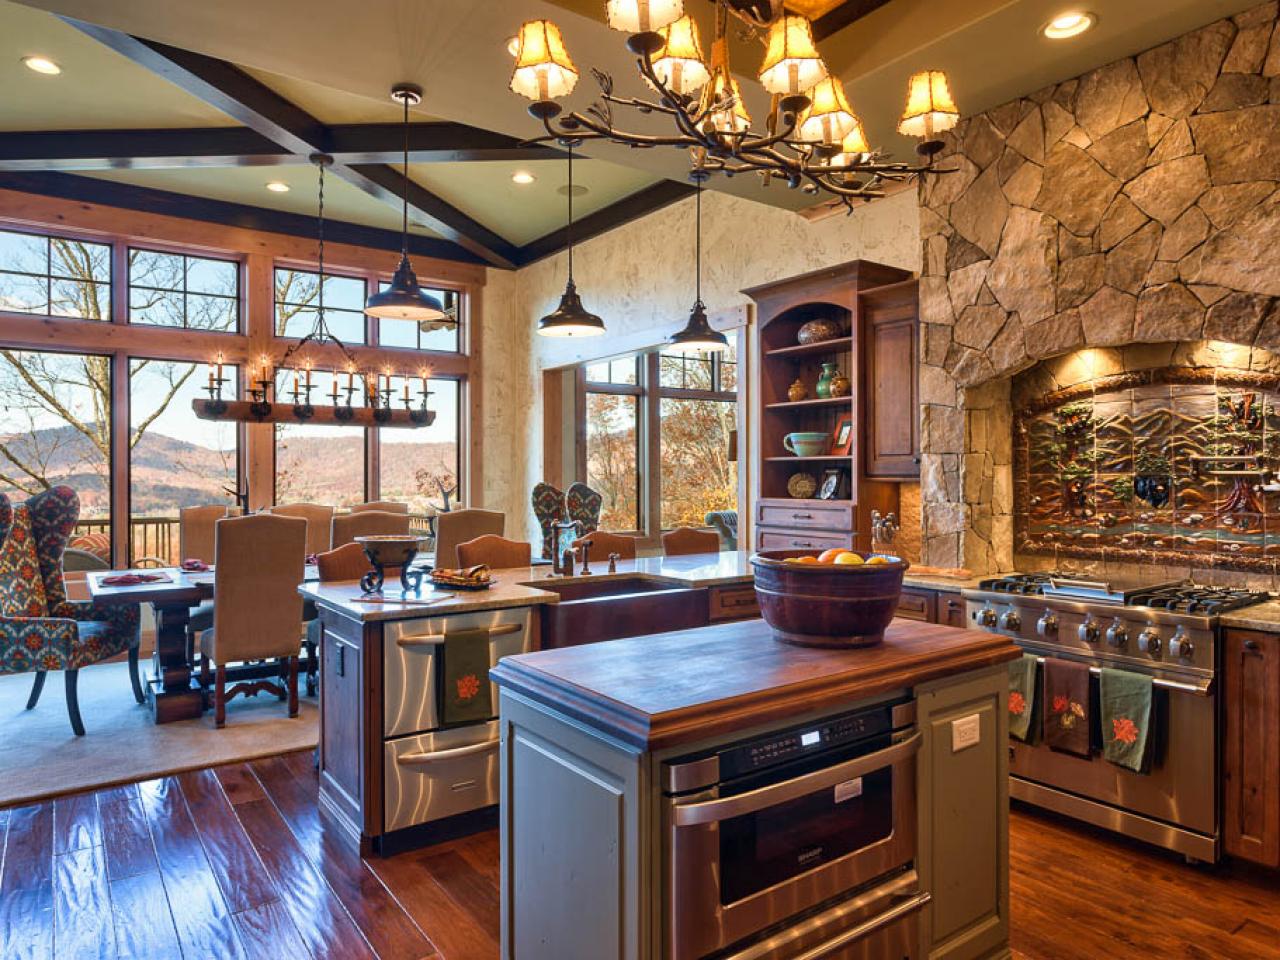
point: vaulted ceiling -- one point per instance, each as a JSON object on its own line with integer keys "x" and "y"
{"x": 253, "y": 87}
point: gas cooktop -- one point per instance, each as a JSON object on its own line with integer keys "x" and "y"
{"x": 1178, "y": 596}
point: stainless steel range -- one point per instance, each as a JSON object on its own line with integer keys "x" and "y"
{"x": 1166, "y": 630}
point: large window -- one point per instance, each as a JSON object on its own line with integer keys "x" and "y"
{"x": 671, "y": 457}
{"x": 56, "y": 428}
{"x": 174, "y": 290}
{"x": 318, "y": 463}
{"x": 176, "y": 460}
{"x": 414, "y": 465}
{"x": 54, "y": 276}
{"x": 298, "y": 295}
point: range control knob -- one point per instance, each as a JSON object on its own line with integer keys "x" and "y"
{"x": 1047, "y": 625}
{"x": 1149, "y": 642}
{"x": 986, "y": 617}
{"x": 1011, "y": 620}
{"x": 1117, "y": 634}
{"x": 1181, "y": 646}
{"x": 1088, "y": 631}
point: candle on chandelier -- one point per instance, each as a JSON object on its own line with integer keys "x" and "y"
{"x": 406, "y": 389}
{"x": 350, "y": 379}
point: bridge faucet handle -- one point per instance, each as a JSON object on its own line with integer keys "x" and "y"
{"x": 613, "y": 562}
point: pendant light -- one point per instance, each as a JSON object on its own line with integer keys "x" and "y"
{"x": 404, "y": 299}
{"x": 697, "y": 335}
{"x": 570, "y": 319}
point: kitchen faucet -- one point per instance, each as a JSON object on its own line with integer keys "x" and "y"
{"x": 559, "y": 566}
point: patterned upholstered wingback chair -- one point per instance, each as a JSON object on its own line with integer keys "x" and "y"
{"x": 548, "y": 507}
{"x": 583, "y": 504}
{"x": 726, "y": 524}
{"x": 40, "y": 629}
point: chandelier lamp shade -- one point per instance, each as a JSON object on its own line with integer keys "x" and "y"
{"x": 570, "y": 318}
{"x": 812, "y": 139}
{"x": 404, "y": 299}
{"x": 930, "y": 109}
{"x": 543, "y": 69}
{"x": 792, "y": 64}
{"x": 698, "y": 336}
{"x": 642, "y": 16}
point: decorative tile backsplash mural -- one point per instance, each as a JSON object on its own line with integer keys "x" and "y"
{"x": 1169, "y": 465}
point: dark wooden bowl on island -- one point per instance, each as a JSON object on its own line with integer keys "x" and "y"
{"x": 827, "y": 605}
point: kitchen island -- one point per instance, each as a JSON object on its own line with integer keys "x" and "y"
{"x": 693, "y": 792}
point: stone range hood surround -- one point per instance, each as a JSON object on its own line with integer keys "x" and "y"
{"x": 1136, "y": 203}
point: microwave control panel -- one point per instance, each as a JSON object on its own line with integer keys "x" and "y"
{"x": 787, "y": 745}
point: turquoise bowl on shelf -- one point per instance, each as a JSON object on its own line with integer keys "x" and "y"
{"x": 807, "y": 444}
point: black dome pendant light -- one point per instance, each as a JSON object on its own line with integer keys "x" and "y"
{"x": 571, "y": 318}
{"x": 404, "y": 299}
{"x": 698, "y": 335}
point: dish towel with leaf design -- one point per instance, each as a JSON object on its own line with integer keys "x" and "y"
{"x": 466, "y": 695}
{"x": 1023, "y": 702}
{"x": 1066, "y": 706}
{"x": 1125, "y": 701}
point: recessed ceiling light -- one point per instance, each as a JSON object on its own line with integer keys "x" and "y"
{"x": 42, "y": 65}
{"x": 513, "y": 45}
{"x": 522, "y": 177}
{"x": 1070, "y": 24}
{"x": 578, "y": 190}
{"x": 276, "y": 186}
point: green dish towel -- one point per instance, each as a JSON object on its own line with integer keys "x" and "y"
{"x": 1023, "y": 702}
{"x": 1126, "y": 718}
{"x": 465, "y": 692}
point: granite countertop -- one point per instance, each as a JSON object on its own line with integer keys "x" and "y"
{"x": 669, "y": 689}
{"x": 1259, "y": 616}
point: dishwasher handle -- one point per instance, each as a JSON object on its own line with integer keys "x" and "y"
{"x": 443, "y": 756}
{"x": 714, "y": 811}
{"x": 438, "y": 639}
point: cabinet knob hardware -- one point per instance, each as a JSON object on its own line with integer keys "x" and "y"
{"x": 915, "y": 459}
{"x": 953, "y": 604}
{"x": 802, "y": 516}
{"x": 1251, "y": 645}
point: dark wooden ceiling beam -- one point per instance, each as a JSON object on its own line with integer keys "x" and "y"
{"x": 138, "y": 149}
{"x": 441, "y": 142}
{"x": 843, "y": 15}
{"x": 265, "y": 112}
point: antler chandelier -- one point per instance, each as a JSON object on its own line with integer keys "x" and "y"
{"x": 812, "y": 139}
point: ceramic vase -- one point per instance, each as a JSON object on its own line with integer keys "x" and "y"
{"x": 840, "y": 385}
{"x": 823, "y": 388}
{"x": 796, "y": 391}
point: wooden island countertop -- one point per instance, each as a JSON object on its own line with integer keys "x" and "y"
{"x": 664, "y": 690}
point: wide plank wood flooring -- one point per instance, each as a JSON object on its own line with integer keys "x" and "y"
{"x": 237, "y": 862}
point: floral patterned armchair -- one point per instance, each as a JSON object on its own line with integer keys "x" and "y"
{"x": 40, "y": 629}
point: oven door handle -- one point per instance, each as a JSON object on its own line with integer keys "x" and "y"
{"x": 442, "y": 756}
{"x": 438, "y": 639}
{"x": 713, "y": 811}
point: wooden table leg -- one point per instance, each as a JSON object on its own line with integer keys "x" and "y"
{"x": 169, "y": 691}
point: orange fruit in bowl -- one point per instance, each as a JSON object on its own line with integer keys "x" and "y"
{"x": 829, "y": 556}
{"x": 848, "y": 558}
{"x": 877, "y": 560}
{"x": 809, "y": 560}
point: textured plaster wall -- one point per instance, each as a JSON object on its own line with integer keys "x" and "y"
{"x": 639, "y": 278}
{"x": 1137, "y": 202}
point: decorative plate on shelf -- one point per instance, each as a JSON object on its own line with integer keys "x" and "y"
{"x": 816, "y": 331}
{"x": 802, "y": 485}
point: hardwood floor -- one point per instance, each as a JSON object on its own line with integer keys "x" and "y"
{"x": 237, "y": 862}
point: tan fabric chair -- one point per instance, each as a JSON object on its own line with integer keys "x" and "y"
{"x": 604, "y": 543}
{"x": 346, "y": 562}
{"x": 686, "y": 540}
{"x": 319, "y": 522}
{"x": 257, "y": 609}
{"x": 497, "y": 552}
{"x": 386, "y": 506}
{"x": 367, "y": 523}
{"x": 195, "y": 530}
{"x": 459, "y": 526}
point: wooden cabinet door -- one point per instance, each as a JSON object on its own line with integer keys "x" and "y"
{"x": 341, "y": 710}
{"x": 916, "y": 604}
{"x": 1251, "y": 746}
{"x": 891, "y": 394}
{"x": 951, "y": 610}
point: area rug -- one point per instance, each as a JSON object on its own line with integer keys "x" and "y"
{"x": 40, "y": 756}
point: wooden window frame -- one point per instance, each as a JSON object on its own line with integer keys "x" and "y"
{"x": 258, "y": 254}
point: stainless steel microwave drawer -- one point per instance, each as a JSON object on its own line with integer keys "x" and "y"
{"x": 440, "y": 774}
{"x": 411, "y": 652}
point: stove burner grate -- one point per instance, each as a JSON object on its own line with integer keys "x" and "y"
{"x": 1199, "y": 600}
{"x": 1021, "y": 583}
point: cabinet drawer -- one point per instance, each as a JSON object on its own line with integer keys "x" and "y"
{"x": 733, "y": 603}
{"x": 801, "y": 540}
{"x": 827, "y": 516}
{"x": 949, "y": 609}
{"x": 916, "y": 604}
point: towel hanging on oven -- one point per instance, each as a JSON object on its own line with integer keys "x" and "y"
{"x": 1066, "y": 706}
{"x": 1125, "y": 701}
{"x": 465, "y": 692}
{"x": 1024, "y": 705}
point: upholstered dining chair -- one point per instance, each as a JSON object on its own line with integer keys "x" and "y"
{"x": 686, "y": 540}
{"x": 319, "y": 519}
{"x": 498, "y": 552}
{"x": 366, "y": 523}
{"x": 257, "y": 611}
{"x": 583, "y": 504}
{"x": 604, "y": 543}
{"x": 195, "y": 542}
{"x": 40, "y": 629}
{"x": 386, "y": 506}
{"x": 726, "y": 524}
{"x": 459, "y": 526}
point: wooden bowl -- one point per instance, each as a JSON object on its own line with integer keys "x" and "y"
{"x": 826, "y": 605}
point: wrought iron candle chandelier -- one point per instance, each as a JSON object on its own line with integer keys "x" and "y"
{"x": 376, "y": 390}
{"x": 812, "y": 139}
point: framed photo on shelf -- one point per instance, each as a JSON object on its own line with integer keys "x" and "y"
{"x": 842, "y": 436}
{"x": 832, "y": 485}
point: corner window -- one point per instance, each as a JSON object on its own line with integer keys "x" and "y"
{"x": 407, "y": 334}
